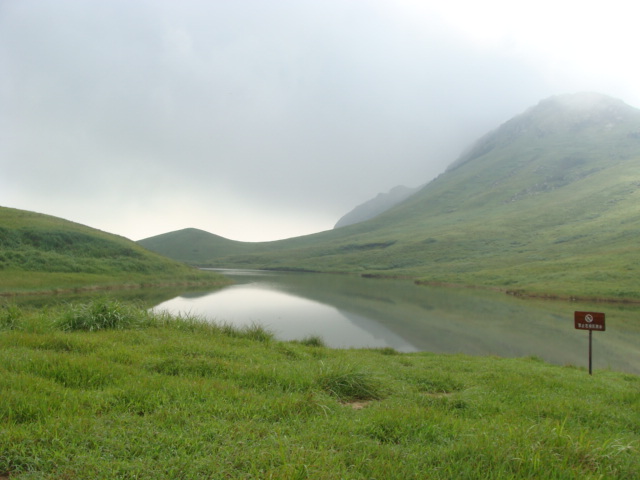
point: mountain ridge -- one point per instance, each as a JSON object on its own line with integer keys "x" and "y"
{"x": 375, "y": 206}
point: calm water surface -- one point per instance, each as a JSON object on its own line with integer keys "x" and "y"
{"x": 348, "y": 311}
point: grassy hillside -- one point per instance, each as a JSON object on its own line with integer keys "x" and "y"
{"x": 104, "y": 390}
{"x": 40, "y": 252}
{"x": 548, "y": 203}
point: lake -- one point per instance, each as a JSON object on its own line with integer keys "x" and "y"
{"x": 353, "y": 312}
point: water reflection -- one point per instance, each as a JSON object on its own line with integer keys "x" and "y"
{"x": 290, "y": 317}
{"x": 348, "y": 311}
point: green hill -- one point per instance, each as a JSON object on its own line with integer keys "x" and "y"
{"x": 548, "y": 203}
{"x": 192, "y": 245}
{"x": 41, "y": 252}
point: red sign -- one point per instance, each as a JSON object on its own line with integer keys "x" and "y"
{"x": 589, "y": 321}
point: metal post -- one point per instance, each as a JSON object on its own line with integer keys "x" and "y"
{"x": 590, "y": 332}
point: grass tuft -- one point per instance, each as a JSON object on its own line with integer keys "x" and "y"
{"x": 348, "y": 384}
{"x": 387, "y": 351}
{"x": 10, "y": 315}
{"x": 103, "y": 314}
{"x": 312, "y": 341}
{"x": 256, "y": 332}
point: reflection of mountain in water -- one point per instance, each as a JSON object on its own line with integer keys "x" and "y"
{"x": 449, "y": 320}
{"x": 379, "y": 331}
{"x": 437, "y": 320}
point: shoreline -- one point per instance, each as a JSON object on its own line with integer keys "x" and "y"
{"x": 111, "y": 287}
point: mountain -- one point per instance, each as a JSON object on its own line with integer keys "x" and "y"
{"x": 381, "y": 203}
{"x": 191, "y": 245}
{"x": 42, "y": 252}
{"x": 547, "y": 203}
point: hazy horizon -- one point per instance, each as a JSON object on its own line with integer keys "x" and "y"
{"x": 262, "y": 120}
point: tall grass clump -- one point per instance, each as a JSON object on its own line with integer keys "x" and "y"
{"x": 103, "y": 314}
{"x": 254, "y": 331}
{"x": 257, "y": 332}
{"x": 10, "y": 316}
{"x": 312, "y": 341}
{"x": 348, "y": 384}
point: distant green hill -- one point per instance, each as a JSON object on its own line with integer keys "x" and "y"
{"x": 41, "y": 252}
{"x": 548, "y": 203}
{"x": 192, "y": 245}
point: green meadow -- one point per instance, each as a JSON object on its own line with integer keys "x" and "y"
{"x": 107, "y": 390}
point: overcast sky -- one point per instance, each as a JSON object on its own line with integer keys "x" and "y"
{"x": 266, "y": 119}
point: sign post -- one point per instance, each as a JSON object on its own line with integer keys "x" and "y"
{"x": 589, "y": 321}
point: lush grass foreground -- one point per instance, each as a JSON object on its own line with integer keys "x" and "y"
{"x": 107, "y": 390}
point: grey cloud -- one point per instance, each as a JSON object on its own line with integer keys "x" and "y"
{"x": 268, "y": 105}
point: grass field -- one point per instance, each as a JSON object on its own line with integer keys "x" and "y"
{"x": 107, "y": 390}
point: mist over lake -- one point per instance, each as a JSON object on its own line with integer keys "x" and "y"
{"x": 349, "y": 311}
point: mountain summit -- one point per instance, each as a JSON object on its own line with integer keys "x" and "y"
{"x": 570, "y": 114}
